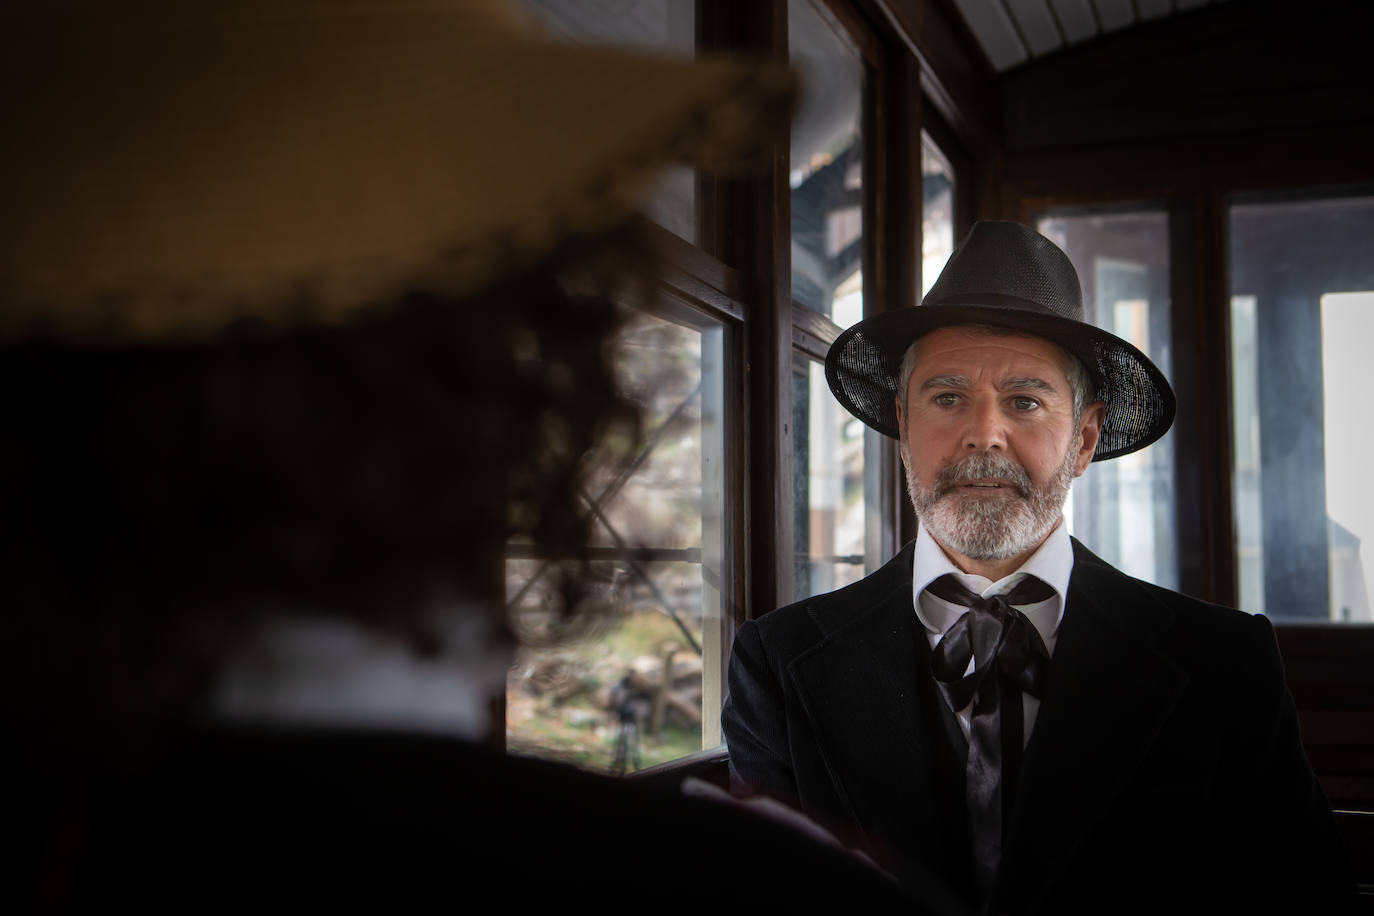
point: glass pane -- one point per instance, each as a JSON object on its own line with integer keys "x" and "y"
{"x": 1302, "y": 313}
{"x": 834, "y": 524}
{"x": 661, "y": 25}
{"x": 937, "y": 212}
{"x": 826, "y": 166}
{"x": 645, "y": 688}
{"x": 1123, "y": 509}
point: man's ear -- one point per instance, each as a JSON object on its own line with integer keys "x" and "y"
{"x": 901, "y": 419}
{"x": 1090, "y": 427}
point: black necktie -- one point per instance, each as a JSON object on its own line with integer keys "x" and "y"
{"x": 1010, "y": 658}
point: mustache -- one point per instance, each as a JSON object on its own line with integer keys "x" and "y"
{"x": 981, "y": 466}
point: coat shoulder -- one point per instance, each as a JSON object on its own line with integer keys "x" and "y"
{"x": 1180, "y": 618}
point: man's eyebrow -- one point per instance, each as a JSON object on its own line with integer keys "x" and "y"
{"x": 1013, "y": 383}
{"x": 1021, "y": 383}
{"x": 947, "y": 381}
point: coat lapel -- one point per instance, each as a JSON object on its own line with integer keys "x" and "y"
{"x": 868, "y": 694}
{"x": 1109, "y": 694}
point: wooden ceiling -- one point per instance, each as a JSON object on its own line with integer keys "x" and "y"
{"x": 1013, "y": 32}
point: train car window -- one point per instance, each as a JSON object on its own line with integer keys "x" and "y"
{"x": 937, "y": 211}
{"x": 664, "y": 25}
{"x": 629, "y": 694}
{"x": 645, "y": 687}
{"x": 1125, "y": 508}
{"x": 1301, "y": 316}
{"x": 827, "y": 166}
{"x": 836, "y": 515}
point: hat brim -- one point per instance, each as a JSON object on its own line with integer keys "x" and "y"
{"x": 863, "y": 364}
{"x": 296, "y": 162}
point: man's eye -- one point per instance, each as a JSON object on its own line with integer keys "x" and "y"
{"x": 947, "y": 399}
{"x": 1024, "y": 403}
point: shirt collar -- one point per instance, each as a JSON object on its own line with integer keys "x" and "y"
{"x": 1052, "y": 563}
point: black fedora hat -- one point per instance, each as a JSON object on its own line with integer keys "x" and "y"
{"x": 1006, "y": 275}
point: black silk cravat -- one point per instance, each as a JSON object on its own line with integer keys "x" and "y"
{"x": 1010, "y": 659}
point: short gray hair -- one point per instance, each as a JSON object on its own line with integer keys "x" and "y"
{"x": 1080, "y": 382}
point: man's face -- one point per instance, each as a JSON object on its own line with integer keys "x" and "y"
{"x": 989, "y": 440}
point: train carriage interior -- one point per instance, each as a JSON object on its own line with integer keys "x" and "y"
{"x": 1207, "y": 167}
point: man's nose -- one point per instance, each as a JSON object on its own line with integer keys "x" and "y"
{"x": 986, "y": 429}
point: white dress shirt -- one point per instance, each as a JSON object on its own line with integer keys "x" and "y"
{"x": 1052, "y": 563}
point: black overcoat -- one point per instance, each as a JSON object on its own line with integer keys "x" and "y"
{"x": 1165, "y": 772}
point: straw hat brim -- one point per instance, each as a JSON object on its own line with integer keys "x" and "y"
{"x": 169, "y": 171}
{"x": 862, "y": 368}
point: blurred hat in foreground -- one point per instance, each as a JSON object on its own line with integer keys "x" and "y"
{"x": 172, "y": 169}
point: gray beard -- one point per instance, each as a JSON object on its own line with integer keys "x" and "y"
{"x": 989, "y": 529}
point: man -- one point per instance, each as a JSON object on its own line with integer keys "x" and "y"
{"x": 996, "y": 703}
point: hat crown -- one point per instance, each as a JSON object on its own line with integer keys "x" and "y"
{"x": 1008, "y": 265}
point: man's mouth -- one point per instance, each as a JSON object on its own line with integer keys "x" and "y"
{"x": 1006, "y": 478}
{"x": 986, "y": 485}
